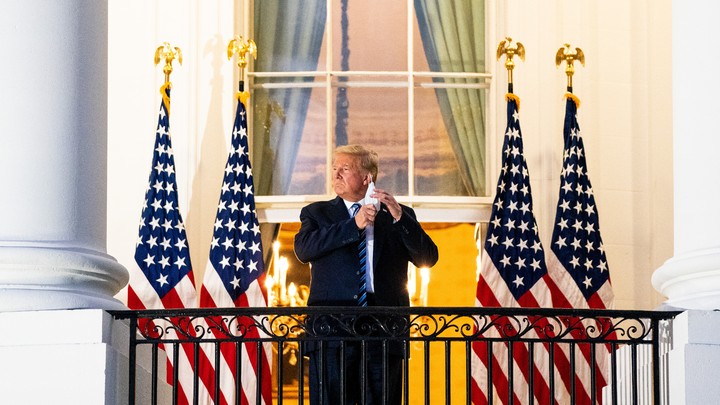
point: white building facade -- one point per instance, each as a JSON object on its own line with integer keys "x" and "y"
{"x": 76, "y": 70}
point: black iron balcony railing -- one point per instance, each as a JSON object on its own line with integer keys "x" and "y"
{"x": 451, "y": 355}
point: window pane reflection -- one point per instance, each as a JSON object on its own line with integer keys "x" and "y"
{"x": 377, "y": 119}
{"x": 450, "y": 142}
{"x": 376, "y": 35}
{"x": 436, "y": 168}
{"x": 369, "y": 106}
{"x": 289, "y": 141}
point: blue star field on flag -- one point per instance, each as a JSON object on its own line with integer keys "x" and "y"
{"x": 236, "y": 249}
{"x": 576, "y": 237}
{"x": 512, "y": 241}
{"x": 161, "y": 250}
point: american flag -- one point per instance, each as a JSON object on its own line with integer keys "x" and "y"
{"x": 577, "y": 258}
{"x": 513, "y": 274}
{"x": 163, "y": 278}
{"x": 234, "y": 276}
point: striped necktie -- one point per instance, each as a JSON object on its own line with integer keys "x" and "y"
{"x": 362, "y": 254}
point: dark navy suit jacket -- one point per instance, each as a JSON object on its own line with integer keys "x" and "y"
{"x": 328, "y": 239}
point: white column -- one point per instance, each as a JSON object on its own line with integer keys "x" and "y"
{"x": 694, "y": 358}
{"x": 691, "y": 278}
{"x": 53, "y": 141}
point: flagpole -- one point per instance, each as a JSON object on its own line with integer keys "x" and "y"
{"x": 514, "y": 275}
{"x": 569, "y": 56}
{"x": 235, "y": 270}
{"x": 162, "y": 275}
{"x": 586, "y": 286}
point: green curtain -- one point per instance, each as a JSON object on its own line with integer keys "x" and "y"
{"x": 289, "y": 35}
{"x": 453, "y": 36}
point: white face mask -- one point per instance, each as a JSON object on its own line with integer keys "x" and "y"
{"x": 370, "y": 191}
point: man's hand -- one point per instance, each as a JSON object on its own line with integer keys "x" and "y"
{"x": 390, "y": 202}
{"x": 365, "y": 216}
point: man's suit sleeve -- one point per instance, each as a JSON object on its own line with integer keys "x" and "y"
{"x": 423, "y": 251}
{"x": 319, "y": 236}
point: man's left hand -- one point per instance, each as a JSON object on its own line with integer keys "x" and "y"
{"x": 392, "y": 205}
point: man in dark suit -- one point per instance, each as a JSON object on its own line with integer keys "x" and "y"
{"x": 329, "y": 239}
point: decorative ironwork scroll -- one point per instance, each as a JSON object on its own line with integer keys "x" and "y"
{"x": 429, "y": 323}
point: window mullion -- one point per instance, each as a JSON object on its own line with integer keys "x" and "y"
{"x": 411, "y": 100}
{"x": 328, "y": 99}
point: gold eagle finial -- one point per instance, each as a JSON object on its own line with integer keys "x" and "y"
{"x": 241, "y": 48}
{"x": 237, "y": 46}
{"x": 569, "y": 56}
{"x": 505, "y": 48}
{"x": 169, "y": 54}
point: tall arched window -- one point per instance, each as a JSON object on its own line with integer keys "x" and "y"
{"x": 407, "y": 79}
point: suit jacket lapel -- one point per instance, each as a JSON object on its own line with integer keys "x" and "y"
{"x": 339, "y": 211}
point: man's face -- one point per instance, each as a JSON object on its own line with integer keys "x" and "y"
{"x": 348, "y": 178}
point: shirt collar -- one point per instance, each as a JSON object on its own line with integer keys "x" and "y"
{"x": 348, "y": 204}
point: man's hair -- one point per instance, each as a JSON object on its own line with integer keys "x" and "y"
{"x": 368, "y": 158}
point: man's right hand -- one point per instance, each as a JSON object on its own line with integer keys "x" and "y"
{"x": 365, "y": 216}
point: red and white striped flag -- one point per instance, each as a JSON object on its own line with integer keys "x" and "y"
{"x": 576, "y": 260}
{"x": 163, "y": 277}
{"x": 234, "y": 277}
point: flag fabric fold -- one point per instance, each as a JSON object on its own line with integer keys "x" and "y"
{"x": 577, "y": 247}
{"x": 234, "y": 277}
{"x": 513, "y": 274}
{"x": 163, "y": 277}
{"x": 576, "y": 260}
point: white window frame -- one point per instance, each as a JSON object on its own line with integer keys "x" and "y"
{"x": 453, "y": 209}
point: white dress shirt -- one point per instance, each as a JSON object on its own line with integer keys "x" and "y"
{"x": 369, "y": 246}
